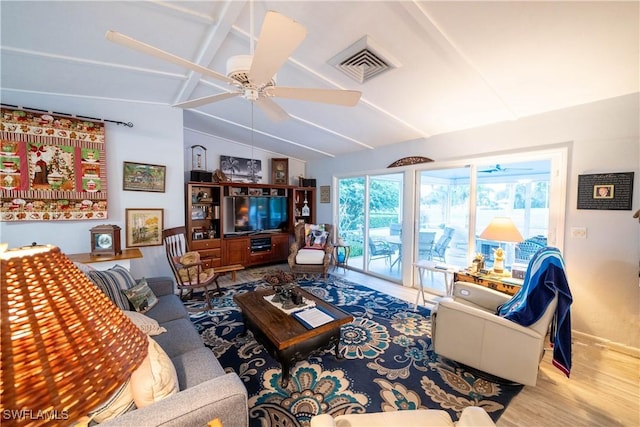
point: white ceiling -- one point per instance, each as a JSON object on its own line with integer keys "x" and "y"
{"x": 461, "y": 64}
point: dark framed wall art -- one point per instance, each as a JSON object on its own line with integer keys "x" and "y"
{"x": 280, "y": 171}
{"x": 606, "y": 191}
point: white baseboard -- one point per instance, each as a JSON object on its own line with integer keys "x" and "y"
{"x": 610, "y": 345}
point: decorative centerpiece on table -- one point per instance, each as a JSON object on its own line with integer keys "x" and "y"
{"x": 283, "y": 283}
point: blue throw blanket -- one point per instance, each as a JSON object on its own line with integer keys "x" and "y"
{"x": 544, "y": 278}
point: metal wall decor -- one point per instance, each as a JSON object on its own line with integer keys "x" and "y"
{"x": 412, "y": 160}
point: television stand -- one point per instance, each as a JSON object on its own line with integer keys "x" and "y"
{"x": 256, "y": 249}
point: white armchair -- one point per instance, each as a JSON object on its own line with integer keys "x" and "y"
{"x": 466, "y": 329}
{"x": 471, "y": 416}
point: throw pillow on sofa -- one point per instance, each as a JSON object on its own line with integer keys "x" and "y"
{"x": 146, "y": 324}
{"x": 112, "y": 282}
{"x": 155, "y": 378}
{"x": 141, "y": 296}
{"x": 120, "y": 402}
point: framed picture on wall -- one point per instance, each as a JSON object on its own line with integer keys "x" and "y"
{"x": 325, "y": 194}
{"x": 144, "y": 227}
{"x": 609, "y": 191}
{"x": 143, "y": 177}
{"x": 280, "y": 171}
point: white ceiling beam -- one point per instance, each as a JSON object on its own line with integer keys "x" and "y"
{"x": 210, "y": 46}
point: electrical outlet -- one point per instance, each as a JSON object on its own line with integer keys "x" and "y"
{"x": 579, "y": 232}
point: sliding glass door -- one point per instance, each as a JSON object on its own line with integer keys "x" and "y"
{"x": 449, "y": 208}
{"x": 443, "y": 222}
{"x": 351, "y": 218}
{"x": 519, "y": 191}
{"x": 370, "y": 222}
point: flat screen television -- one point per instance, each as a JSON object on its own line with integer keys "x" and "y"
{"x": 245, "y": 214}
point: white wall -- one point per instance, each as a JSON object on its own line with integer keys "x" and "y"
{"x": 156, "y": 138}
{"x": 604, "y": 137}
{"x": 217, "y": 147}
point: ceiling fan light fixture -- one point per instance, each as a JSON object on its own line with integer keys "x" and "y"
{"x": 238, "y": 69}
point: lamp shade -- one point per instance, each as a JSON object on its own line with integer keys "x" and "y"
{"x": 65, "y": 347}
{"x": 502, "y": 229}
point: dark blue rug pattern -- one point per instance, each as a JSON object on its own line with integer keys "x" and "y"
{"x": 388, "y": 363}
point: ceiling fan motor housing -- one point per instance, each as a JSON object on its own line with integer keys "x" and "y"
{"x": 238, "y": 69}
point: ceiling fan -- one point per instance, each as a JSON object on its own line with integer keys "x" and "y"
{"x": 498, "y": 168}
{"x": 253, "y": 76}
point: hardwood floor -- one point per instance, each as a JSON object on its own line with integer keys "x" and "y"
{"x": 604, "y": 388}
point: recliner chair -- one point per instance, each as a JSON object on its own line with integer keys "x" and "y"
{"x": 466, "y": 327}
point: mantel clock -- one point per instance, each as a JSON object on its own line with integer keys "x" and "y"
{"x": 105, "y": 240}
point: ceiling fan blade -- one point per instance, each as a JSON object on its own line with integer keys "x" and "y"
{"x": 348, "y": 98}
{"x": 134, "y": 44}
{"x": 279, "y": 37}
{"x": 271, "y": 109}
{"x": 206, "y": 100}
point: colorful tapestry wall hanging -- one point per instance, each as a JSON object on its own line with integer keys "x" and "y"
{"x": 51, "y": 167}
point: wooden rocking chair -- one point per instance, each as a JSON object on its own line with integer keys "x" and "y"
{"x": 187, "y": 268}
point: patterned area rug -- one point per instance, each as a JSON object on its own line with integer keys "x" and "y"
{"x": 388, "y": 363}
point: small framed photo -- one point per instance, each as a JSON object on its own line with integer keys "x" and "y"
{"x": 325, "y": 194}
{"x": 144, "y": 227}
{"x": 603, "y": 191}
{"x": 143, "y": 177}
{"x": 198, "y": 212}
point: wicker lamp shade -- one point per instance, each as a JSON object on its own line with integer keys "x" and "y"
{"x": 65, "y": 347}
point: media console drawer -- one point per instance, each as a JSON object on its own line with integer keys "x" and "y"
{"x": 198, "y": 245}
{"x": 259, "y": 257}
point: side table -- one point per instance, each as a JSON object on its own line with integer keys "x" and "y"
{"x": 340, "y": 256}
{"x": 507, "y": 285}
{"x": 433, "y": 266}
{"x": 104, "y": 262}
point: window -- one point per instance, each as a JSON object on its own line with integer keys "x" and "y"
{"x": 453, "y": 204}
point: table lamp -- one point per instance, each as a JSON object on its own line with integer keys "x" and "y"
{"x": 501, "y": 229}
{"x": 65, "y": 347}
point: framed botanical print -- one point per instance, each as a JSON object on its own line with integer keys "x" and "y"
{"x": 144, "y": 227}
{"x": 280, "y": 171}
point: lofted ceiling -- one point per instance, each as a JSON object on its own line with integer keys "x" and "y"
{"x": 452, "y": 65}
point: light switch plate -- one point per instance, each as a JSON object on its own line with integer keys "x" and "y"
{"x": 579, "y": 232}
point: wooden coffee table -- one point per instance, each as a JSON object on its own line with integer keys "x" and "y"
{"x": 285, "y": 338}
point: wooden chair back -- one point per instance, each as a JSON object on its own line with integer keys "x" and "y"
{"x": 175, "y": 245}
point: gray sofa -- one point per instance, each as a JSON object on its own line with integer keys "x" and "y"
{"x": 206, "y": 391}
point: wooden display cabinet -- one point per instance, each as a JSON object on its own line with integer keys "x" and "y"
{"x": 303, "y": 205}
{"x": 203, "y": 222}
{"x": 235, "y": 250}
{"x": 280, "y": 244}
{"x": 205, "y": 212}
